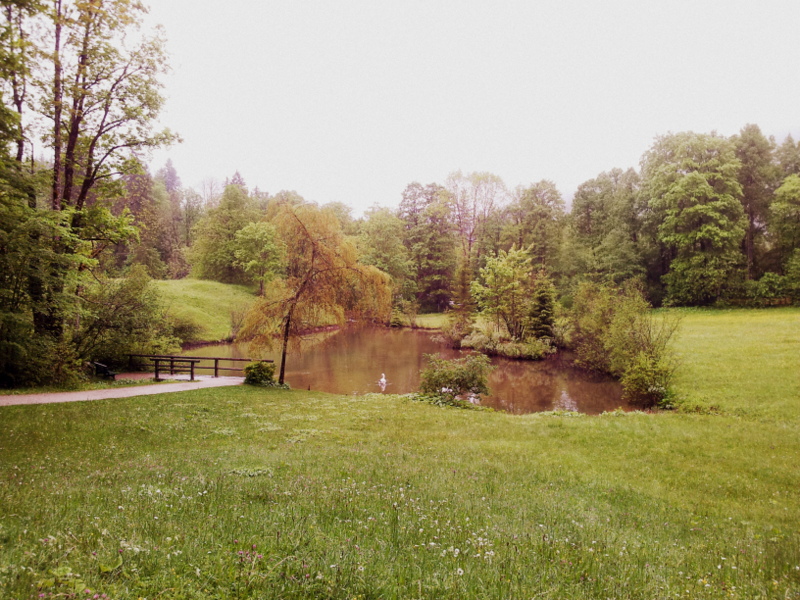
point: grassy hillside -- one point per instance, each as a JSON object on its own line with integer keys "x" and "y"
{"x": 209, "y": 305}
{"x": 254, "y": 493}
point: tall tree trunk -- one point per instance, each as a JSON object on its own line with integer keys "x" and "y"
{"x": 76, "y": 118}
{"x": 58, "y": 99}
{"x": 749, "y": 242}
{"x": 285, "y": 344}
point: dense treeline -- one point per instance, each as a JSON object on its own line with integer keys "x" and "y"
{"x": 706, "y": 219}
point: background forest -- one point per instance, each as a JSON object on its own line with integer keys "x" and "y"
{"x": 84, "y": 227}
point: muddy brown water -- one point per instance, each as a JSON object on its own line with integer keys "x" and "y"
{"x": 352, "y": 361}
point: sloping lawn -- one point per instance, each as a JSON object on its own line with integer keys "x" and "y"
{"x": 210, "y": 306}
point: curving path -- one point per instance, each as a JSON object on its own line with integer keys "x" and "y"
{"x": 122, "y": 392}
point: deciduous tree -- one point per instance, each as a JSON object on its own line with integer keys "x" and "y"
{"x": 692, "y": 185}
{"x": 503, "y": 290}
{"x": 757, "y": 176}
{"x": 257, "y": 252}
{"x": 324, "y": 281}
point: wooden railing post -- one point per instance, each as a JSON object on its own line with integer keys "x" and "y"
{"x": 216, "y": 367}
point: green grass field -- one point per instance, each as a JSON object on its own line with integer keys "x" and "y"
{"x": 256, "y": 493}
{"x": 210, "y": 305}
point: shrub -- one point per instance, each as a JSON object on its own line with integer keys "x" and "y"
{"x": 646, "y": 381}
{"x": 186, "y": 329}
{"x": 493, "y": 344}
{"x": 396, "y": 319}
{"x": 457, "y": 377}
{"x": 259, "y": 373}
{"x": 615, "y": 332}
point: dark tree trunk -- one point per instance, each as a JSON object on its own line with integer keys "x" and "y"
{"x": 285, "y": 345}
{"x": 58, "y": 100}
{"x": 749, "y": 242}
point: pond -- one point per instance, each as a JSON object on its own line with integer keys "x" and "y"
{"x": 352, "y": 361}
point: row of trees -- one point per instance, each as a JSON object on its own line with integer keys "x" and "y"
{"x": 705, "y": 219}
{"x": 80, "y": 94}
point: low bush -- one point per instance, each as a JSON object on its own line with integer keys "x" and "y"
{"x": 397, "y": 319}
{"x": 259, "y": 373}
{"x": 456, "y": 378}
{"x": 493, "y": 345}
{"x": 646, "y": 381}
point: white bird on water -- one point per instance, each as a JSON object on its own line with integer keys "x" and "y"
{"x": 382, "y": 382}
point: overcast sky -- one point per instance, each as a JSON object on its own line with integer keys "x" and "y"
{"x": 350, "y": 101}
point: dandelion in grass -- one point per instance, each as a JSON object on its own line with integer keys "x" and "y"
{"x": 460, "y": 571}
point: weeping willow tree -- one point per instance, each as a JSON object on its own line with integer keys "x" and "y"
{"x": 323, "y": 281}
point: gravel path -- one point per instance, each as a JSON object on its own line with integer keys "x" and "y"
{"x": 121, "y": 392}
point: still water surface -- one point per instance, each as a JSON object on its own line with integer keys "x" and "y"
{"x": 351, "y": 361}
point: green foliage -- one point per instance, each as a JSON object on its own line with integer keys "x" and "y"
{"x": 758, "y": 176}
{"x": 257, "y": 252}
{"x": 259, "y": 373}
{"x": 646, "y": 380}
{"x": 502, "y": 290}
{"x": 492, "y": 344}
{"x": 213, "y": 255}
{"x": 457, "y": 377}
{"x": 121, "y": 317}
{"x": 770, "y": 289}
{"x": 616, "y": 333}
{"x": 535, "y": 220}
{"x": 430, "y": 241}
{"x": 605, "y": 241}
{"x": 381, "y": 245}
{"x": 397, "y": 319}
{"x": 692, "y": 184}
{"x": 542, "y": 308}
{"x": 785, "y": 216}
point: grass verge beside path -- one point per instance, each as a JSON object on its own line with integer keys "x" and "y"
{"x": 254, "y": 493}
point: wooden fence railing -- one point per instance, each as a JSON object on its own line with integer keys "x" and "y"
{"x": 189, "y": 364}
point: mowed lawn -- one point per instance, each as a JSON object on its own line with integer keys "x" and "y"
{"x": 254, "y": 493}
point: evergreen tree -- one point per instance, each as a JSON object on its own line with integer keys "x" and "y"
{"x": 542, "y": 308}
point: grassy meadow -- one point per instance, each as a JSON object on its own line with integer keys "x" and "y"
{"x": 260, "y": 493}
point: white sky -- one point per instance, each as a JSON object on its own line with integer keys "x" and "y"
{"x": 350, "y": 101}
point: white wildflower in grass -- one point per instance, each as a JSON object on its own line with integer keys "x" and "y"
{"x": 460, "y": 571}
